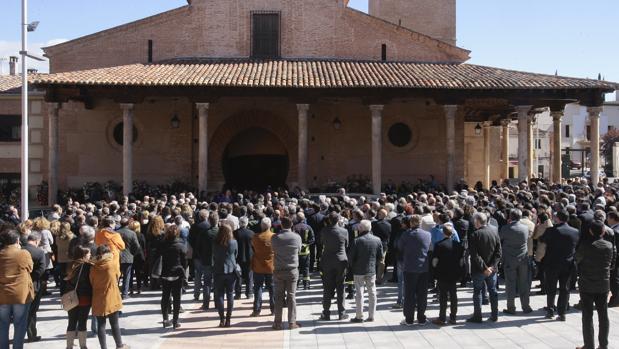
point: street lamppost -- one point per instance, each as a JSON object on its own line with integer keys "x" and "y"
{"x": 25, "y": 28}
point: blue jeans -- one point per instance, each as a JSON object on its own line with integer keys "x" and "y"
{"x": 479, "y": 281}
{"x": 126, "y": 269}
{"x": 19, "y": 313}
{"x": 261, "y": 281}
{"x": 224, "y": 286}
{"x": 203, "y": 281}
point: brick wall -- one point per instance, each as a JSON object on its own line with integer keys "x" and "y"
{"x": 436, "y": 18}
{"x": 310, "y": 29}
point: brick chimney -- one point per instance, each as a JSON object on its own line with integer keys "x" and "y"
{"x": 13, "y": 65}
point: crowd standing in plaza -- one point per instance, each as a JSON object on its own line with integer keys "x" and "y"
{"x": 242, "y": 244}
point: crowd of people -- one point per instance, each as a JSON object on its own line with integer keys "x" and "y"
{"x": 242, "y": 244}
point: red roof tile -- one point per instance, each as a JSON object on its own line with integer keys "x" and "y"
{"x": 316, "y": 74}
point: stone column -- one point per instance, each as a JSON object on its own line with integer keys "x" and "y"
{"x": 594, "y": 118}
{"x": 127, "y": 147}
{"x": 302, "y": 110}
{"x": 486, "y": 131}
{"x": 531, "y": 140}
{"x": 505, "y": 148}
{"x": 202, "y": 147}
{"x": 377, "y": 146}
{"x": 556, "y": 146}
{"x": 52, "y": 155}
{"x": 523, "y": 141}
{"x": 450, "y": 118}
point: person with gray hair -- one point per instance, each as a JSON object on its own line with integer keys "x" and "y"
{"x": 364, "y": 255}
{"x": 514, "y": 237}
{"x": 485, "y": 250}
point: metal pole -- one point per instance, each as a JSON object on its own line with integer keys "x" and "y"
{"x": 24, "y": 114}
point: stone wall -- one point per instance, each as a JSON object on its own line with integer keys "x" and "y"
{"x": 221, "y": 29}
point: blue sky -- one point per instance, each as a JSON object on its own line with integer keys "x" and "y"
{"x": 576, "y": 37}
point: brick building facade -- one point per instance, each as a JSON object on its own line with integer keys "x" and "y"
{"x": 303, "y": 92}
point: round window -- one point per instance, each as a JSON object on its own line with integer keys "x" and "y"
{"x": 118, "y": 133}
{"x": 400, "y": 134}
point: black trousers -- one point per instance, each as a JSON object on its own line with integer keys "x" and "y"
{"x": 31, "y": 328}
{"x": 113, "y": 318}
{"x": 563, "y": 275}
{"x": 304, "y": 268}
{"x": 173, "y": 289}
{"x": 448, "y": 291}
{"x": 614, "y": 286}
{"x": 315, "y": 253}
{"x": 588, "y": 301}
{"x": 415, "y": 296}
{"x": 247, "y": 278}
{"x": 78, "y": 319}
{"x": 333, "y": 280}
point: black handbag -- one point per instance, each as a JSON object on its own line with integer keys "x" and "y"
{"x": 156, "y": 270}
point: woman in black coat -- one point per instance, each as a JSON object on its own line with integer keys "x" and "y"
{"x": 173, "y": 263}
{"x": 225, "y": 251}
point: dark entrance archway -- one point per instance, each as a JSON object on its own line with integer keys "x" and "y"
{"x": 255, "y": 159}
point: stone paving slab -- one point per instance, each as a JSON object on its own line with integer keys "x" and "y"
{"x": 142, "y": 328}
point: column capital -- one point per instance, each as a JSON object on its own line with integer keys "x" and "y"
{"x": 202, "y": 106}
{"x": 54, "y": 106}
{"x": 506, "y": 122}
{"x": 523, "y": 109}
{"x": 594, "y": 111}
{"x": 556, "y": 115}
{"x": 450, "y": 110}
{"x": 377, "y": 109}
{"x": 303, "y": 108}
{"x": 126, "y": 106}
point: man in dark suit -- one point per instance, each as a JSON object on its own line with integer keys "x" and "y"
{"x": 613, "y": 221}
{"x": 243, "y": 237}
{"x": 315, "y": 219}
{"x": 415, "y": 246}
{"x": 381, "y": 228}
{"x": 201, "y": 238}
{"x": 594, "y": 259}
{"x": 448, "y": 264}
{"x": 485, "y": 249}
{"x": 561, "y": 241}
{"x": 132, "y": 247}
{"x": 333, "y": 264}
{"x": 38, "y": 269}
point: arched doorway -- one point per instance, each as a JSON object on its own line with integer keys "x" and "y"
{"x": 255, "y": 159}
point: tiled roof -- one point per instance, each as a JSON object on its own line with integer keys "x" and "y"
{"x": 316, "y": 74}
{"x": 10, "y": 83}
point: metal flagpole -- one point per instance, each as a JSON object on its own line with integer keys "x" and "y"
{"x": 24, "y": 111}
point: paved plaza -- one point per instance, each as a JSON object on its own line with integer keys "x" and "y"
{"x": 142, "y": 327}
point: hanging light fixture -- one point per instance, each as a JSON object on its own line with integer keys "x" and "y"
{"x": 337, "y": 123}
{"x": 478, "y": 129}
{"x": 175, "y": 122}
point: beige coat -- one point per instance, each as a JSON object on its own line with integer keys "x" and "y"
{"x": 15, "y": 282}
{"x": 104, "y": 276}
